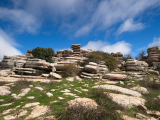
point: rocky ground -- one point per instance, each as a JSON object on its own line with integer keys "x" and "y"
{"x": 129, "y": 96}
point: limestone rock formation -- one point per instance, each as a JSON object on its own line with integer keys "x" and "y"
{"x": 153, "y": 53}
{"x": 39, "y": 64}
{"x": 135, "y": 65}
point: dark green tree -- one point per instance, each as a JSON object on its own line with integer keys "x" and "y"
{"x": 43, "y": 53}
{"x": 140, "y": 56}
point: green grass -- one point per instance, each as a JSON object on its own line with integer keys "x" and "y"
{"x": 106, "y": 110}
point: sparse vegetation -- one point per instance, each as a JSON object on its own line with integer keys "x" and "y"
{"x": 126, "y": 57}
{"x": 69, "y": 70}
{"x": 99, "y": 56}
{"x": 140, "y": 56}
{"x": 44, "y": 53}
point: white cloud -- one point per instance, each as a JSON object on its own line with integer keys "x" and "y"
{"x": 156, "y": 42}
{"x": 111, "y": 12}
{"x": 21, "y": 19}
{"x": 7, "y": 45}
{"x": 123, "y": 47}
{"x": 95, "y": 45}
{"x": 77, "y": 16}
{"x": 129, "y": 26}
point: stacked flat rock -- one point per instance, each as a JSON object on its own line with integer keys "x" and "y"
{"x": 135, "y": 65}
{"x": 38, "y": 64}
{"x": 119, "y": 57}
{"x": 29, "y": 71}
{"x": 9, "y": 62}
{"x": 91, "y": 71}
{"x": 153, "y": 53}
{"x": 64, "y": 53}
{"x": 76, "y": 49}
{"x": 86, "y": 52}
{"x": 59, "y": 65}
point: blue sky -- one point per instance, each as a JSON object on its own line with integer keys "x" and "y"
{"x": 127, "y": 26}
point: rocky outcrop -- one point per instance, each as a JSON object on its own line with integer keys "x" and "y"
{"x": 119, "y": 57}
{"x": 135, "y": 65}
{"x": 9, "y": 62}
{"x": 38, "y": 64}
{"x": 64, "y": 53}
{"x": 153, "y": 53}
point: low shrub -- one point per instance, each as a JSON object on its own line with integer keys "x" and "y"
{"x": 106, "y": 109}
{"x": 21, "y": 84}
{"x": 43, "y": 53}
{"x": 69, "y": 70}
{"x": 149, "y": 84}
{"x": 98, "y": 56}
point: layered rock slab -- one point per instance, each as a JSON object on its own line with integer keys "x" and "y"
{"x": 119, "y": 89}
{"x": 125, "y": 100}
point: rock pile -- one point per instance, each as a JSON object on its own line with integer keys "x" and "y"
{"x": 119, "y": 57}
{"x": 153, "y": 53}
{"x": 38, "y": 64}
{"x": 94, "y": 70}
{"x": 135, "y": 65}
{"x": 76, "y": 49}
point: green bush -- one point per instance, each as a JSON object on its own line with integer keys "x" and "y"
{"x": 43, "y": 53}
{"x": 98, "y": 56}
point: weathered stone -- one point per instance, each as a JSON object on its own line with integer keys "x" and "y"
{"x": 39, "y": 64}
{"x": 49, "y": 94}
{"x": 115, "y": 76}
{"x": 153, "y": 72}
{"x": 4, "y": 90}
{"x": 91, "y": 69}
{"x": 154, "y": 113}
{"x": 140, "y": 89}
{"x": 70, "y": 79}
{"x": 84, "y": 102}
{"x": 143, "y": 117}
{"x": 125, "y": 100}
{"x": 31, "y": 104}
{"x": 5, "y": 73}
{"x": 55, "y": 75}
{"x": 16, "y": 115}
{"x": 38, "y": 111}
{"x": 39, "y": 88}
{"x": 119, "y": 89}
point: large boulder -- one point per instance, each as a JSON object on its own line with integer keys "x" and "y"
{"x": 135, "y": 65}
{"x": 91, "y": 69}
{"x": 83, "y": 102}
